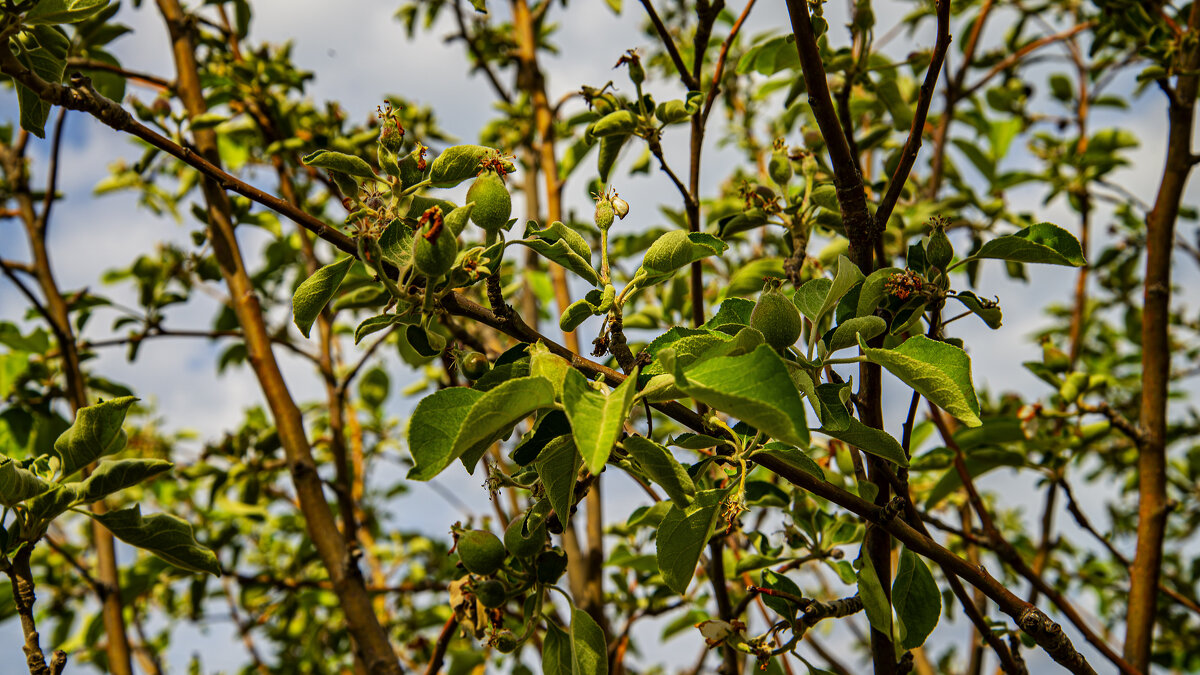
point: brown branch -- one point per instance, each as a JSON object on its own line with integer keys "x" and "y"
{"x": 1084, "y": 522}
{"x": 57, "y": 314}
{"x": 1014, "y": 58}
{"x": 851, "y": 194}
{"x": 477, "y": 53}
{"x": 21, "y": 578}
{"x": 439, "y": 647}
{"x": 1153, "y": 505}
{"x": 1010, "y": 556}
{"x": 692, "y": 83}
{"x": 52, "y": 172}
{"x": 715, "y": 88}
{"x": 82, "y": 97}
{"x": 155, "y": 81}
{"x": 372, "y": 646}
{"x": 531, "y": 80}
{"x": 913, "y": 145}
{"x": 716, "y": 575}
{"x": 157, "y": 332}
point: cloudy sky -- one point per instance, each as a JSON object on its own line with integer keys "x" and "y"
{"x": 359, "y": 53}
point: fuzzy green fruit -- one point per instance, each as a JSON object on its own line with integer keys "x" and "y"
{"x": 491, "y": 593}
{"x": 481, "y": 552}
{"x": 604, "y": 214}
{"x": 493, "y": 204}
{"x": 939, "y": 252}
{"x": 474, "y": 366}
{"x": 434, "y": 246}
{"x": 521, "y": 545}
{"x": 505, "y": 642}
{"x": 780, "y": 168}
{"x": 776, "y": 318}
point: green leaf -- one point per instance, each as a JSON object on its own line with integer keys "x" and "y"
{"x": 316, "y": 291}
{"x": 46, "y": 506}
{"x": 732, "y": 316}
{"x": 832, "y": 397}
{"x": 17, "y": 484}
{"x": 596, "y": 419}
{"x": 677, "y": 249}
{"x": 682, "y": 536}
{"x": 873, "y": 292}
{"x": 455, "y": 420}
{"x": 938, "y": 371}
{"x": 112, "y": 477}
{"x": 44, "y": 51}
{"x": 917, "y": 600}
{"x": 875, "y": 601}
{"x": 565, "y": 247}
{"x": 558, "y": 467}
{"x": 610, "y": 149}
{"x": 868, "y": 439}
{"x": 617, "y": 122}
{"x": 847, "y": 332}
{"x": 792, "y": 456}
{"x": 458, "y": 163}
{"x": 375, "y": 324}
{"x": 779, "y": 582}
{"x": 687, "y": 343}
{"x": 987, "y": 310}
{"x": 663, "y": 468}
{"x": 755, "y": 388}
{"x": 341, "y": 163}
{"x": 543, "y": 363}
{"x": 95, "y": 433}
{"x": 582, "y": 651}
{"x": 63, "y": 11}
{"x": 166, "y": 536}
{"x": 810, "y": 297}
{"x": 590, "y": 647}
{"x": 557, "y": 658}
{"x": 1042, "y": 243}
{"x": 847, "y": 276}
{"x": 593, "y": 303}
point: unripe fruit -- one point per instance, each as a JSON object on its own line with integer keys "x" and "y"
{"x": 505, "y": 642}
{"x": 474, "y": 366}
{"x": 780, "y": 168}
{"x": 939, "y": 252}
{"x": 493, "y": 204}
{"x": 434, "y": 245}
{"x": 521, "y": 545}
{"x": 604, "y": 214}
{"x": 491, "y": 593}
{"x": 776, "y": 318}
{"x": 391, "y": 136}
{"x": 481, "y": 552}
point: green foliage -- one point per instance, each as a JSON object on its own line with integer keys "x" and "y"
{"x": 724, "y": 319}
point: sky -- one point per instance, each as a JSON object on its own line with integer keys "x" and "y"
{"x": 359, "y": 54}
